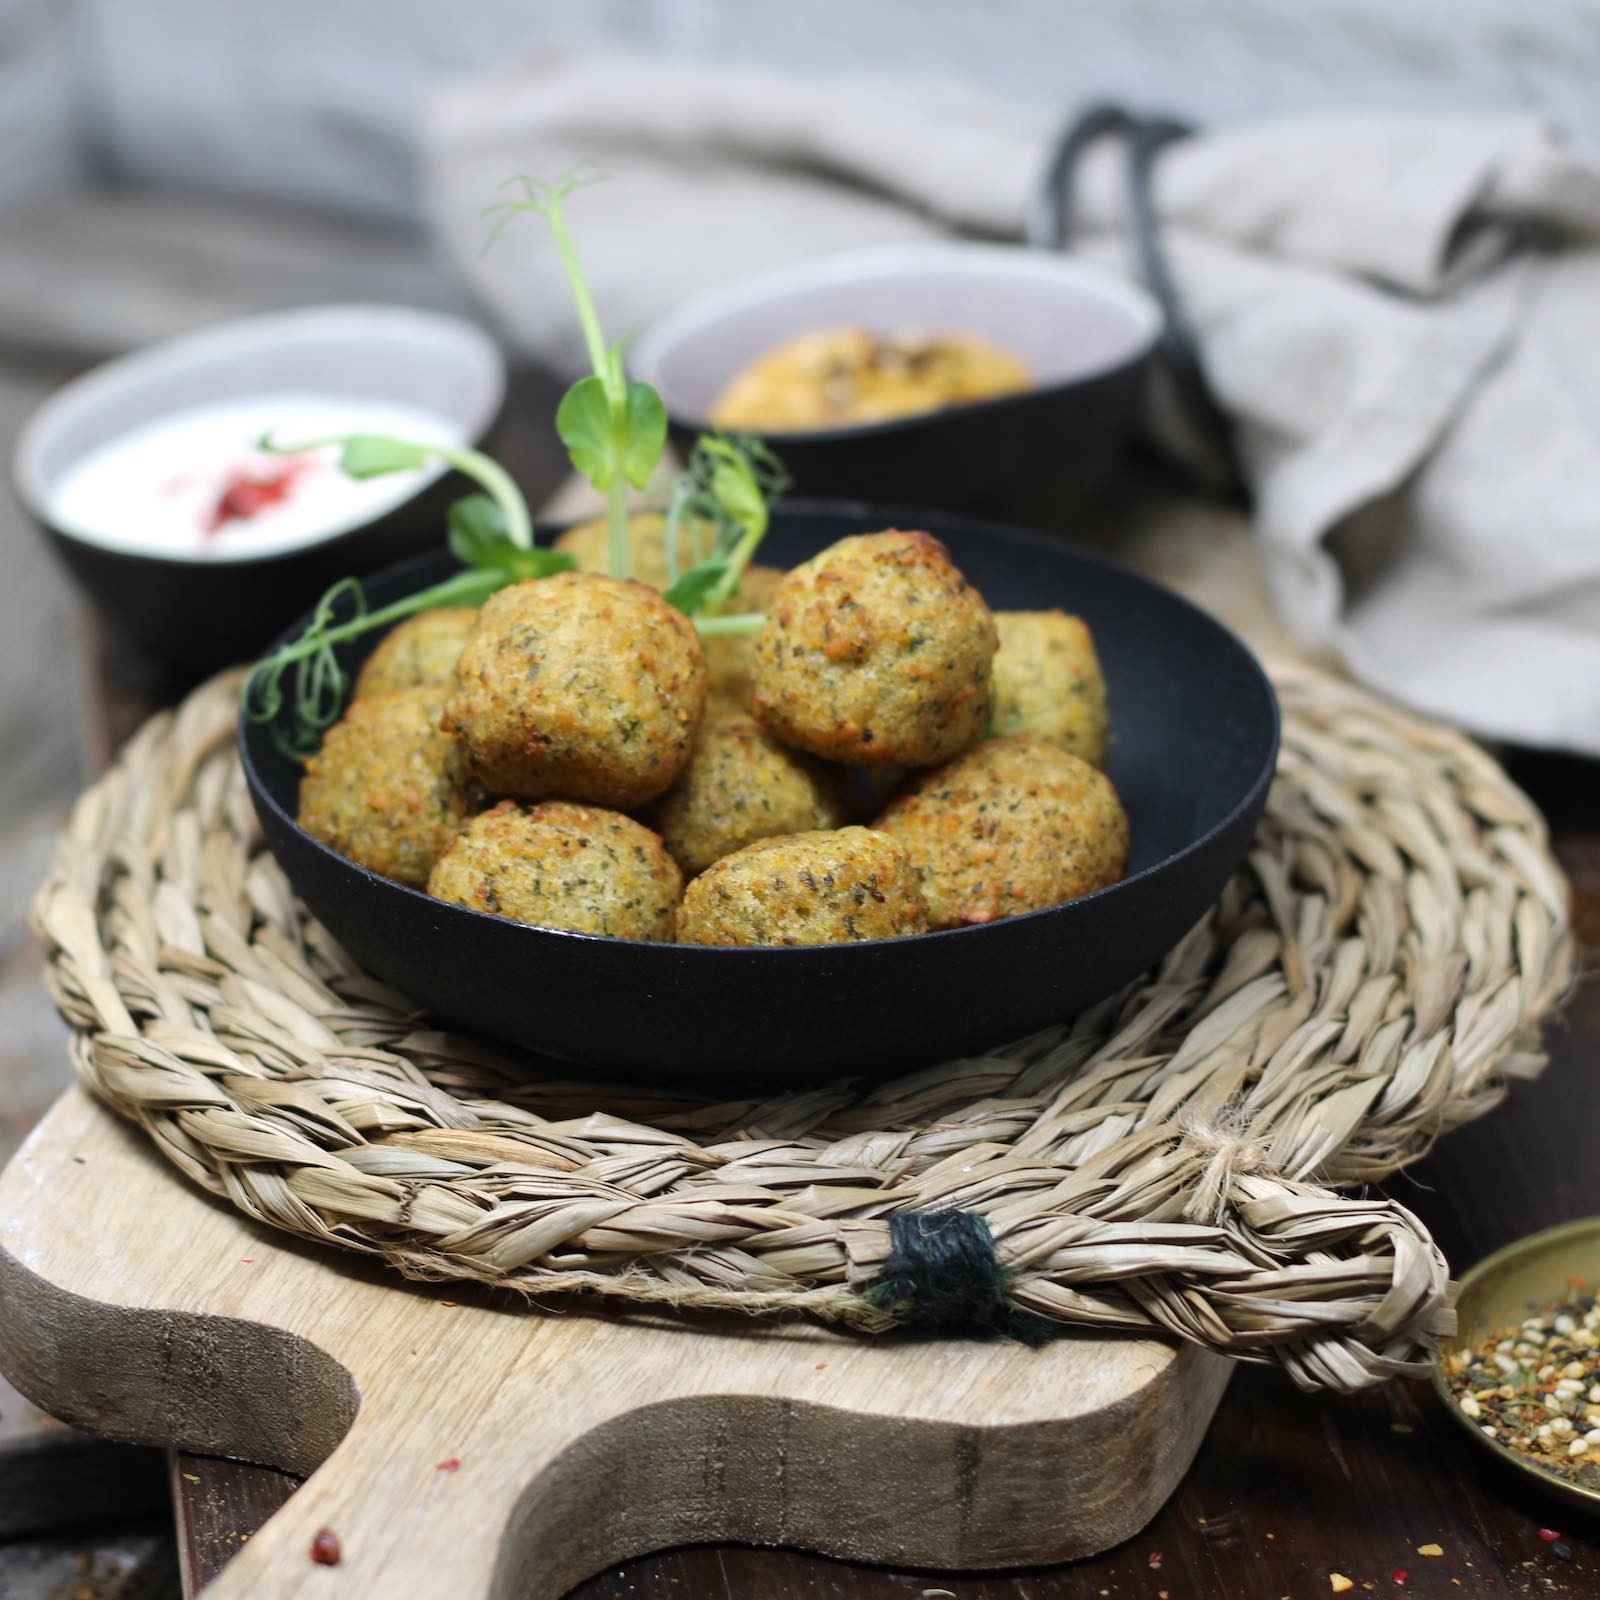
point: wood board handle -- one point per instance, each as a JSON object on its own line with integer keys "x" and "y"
{"x": 134, "y": 1306}
{"x": 607, "y": 1441}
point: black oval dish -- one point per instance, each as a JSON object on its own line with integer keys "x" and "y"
{"x": 1196, "y": 739}
{"x": 192, "y": 615}
{"x": 1085, "y": 335}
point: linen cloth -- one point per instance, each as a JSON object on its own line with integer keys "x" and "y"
{"x": 1400, "y": 314}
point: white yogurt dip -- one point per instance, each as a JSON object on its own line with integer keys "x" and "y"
{"x": 193, "y": 485}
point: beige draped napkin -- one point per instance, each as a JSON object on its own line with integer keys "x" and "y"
{"x": 1402, "y": 315}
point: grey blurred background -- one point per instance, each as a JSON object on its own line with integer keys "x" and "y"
{"x": 168, "y": 163}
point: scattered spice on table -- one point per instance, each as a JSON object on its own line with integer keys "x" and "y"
{"x": 1536, "y": 1389}
{"x": 1430, "y": 1549}
{"x": 1339, "y": 1583}
{"x": 326, "y": 1550}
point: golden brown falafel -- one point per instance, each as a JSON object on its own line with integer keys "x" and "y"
{"x": 876, "y": 653}
{"x": 1047, "y": 682}
{"x": 742, "y": 785}
{"x": 805, "y": 888}
{"x": 387, "y": 789}
{"x": 579, "y": 687}
{"x": 587, "y": 543}
{"x": 1013, "y": 825}
{"x": 422, "y": 649}
{"x": 731, "y": 657}
{"x": 561, "y": 865}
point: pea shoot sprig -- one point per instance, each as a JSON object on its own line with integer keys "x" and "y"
{"x": 615, "y": 431}
{"x": 725, "y": 489}
{"x": 490, "y": 534}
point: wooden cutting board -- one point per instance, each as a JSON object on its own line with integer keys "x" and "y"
{"x": 465, "y": 1446}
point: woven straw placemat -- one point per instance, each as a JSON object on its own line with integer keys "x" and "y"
{"x": 1190, "y": 1156}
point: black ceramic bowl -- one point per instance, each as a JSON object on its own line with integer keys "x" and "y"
{"x": 193, "y": 615}
{"x": 1035, "y": 457}
{"x": 1196, "y": 738}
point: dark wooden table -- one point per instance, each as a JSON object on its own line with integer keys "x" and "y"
{"x": 1288, "y": 1489}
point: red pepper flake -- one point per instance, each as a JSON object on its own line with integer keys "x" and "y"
{"x": 244, "y": 497}
{"x": 1549, "y": 1535}
{"x": 1153, "y": 1560}
{"x": 1399, "y": 1577}
{"x": 326, "y": 1550}
{"x": 452, "y": 1465}
{"x": 822, "y": 1366}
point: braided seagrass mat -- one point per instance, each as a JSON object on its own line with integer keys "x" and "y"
{"x": 1189, "y": 1157}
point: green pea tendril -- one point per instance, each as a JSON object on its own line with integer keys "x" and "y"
{"x": 615, "y": 433}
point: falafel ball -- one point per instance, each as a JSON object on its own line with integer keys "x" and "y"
{"x": 588, "y": 544}
{"x": 805, "y": 888}
{"x": 387, "y": 789}
{"x": 579, "y": 687}
{"x": 561, "y": 865}
{"x": 876, "y": 653}
{"x": 731, "y": 657}
{"x": 742, "y": 785}
{"x": 422, "y": 649}
{"x": 1014, "y": 825}
{"x": 1047, "y": 682}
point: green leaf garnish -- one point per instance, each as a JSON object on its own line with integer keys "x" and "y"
{"x": 646, "y": 433}
{"x": 726, "y": 486}
{"x": 477, "y": 531}
{"x": 371, "y": 455}
{"x": 478, "y": 538}
{"x": 622, "y": 445}
{"x": 537, "y": 563}
{"x": 583, "y": 420}
{"x": 689, "y": 592}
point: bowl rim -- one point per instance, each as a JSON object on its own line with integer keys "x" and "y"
{"x": 899, "y": 516}
{"x": 1528, "y": 1244}
{"x": 232, "y": 338}
{"x": 707, "y": 308}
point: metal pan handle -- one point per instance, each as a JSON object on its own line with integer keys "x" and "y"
{"x": 1049, "y": 226}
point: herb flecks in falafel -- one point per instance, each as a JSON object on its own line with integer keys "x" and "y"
{"x": 742, "y": 785}
{"x": 579, "y": 687}
{"x": 876, "y": 653}
{"x": 584, "y": 869}
{"x": 1011, "y": 826}
{"x": 387, "y": 789}
{"x": 831, "y": 887}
